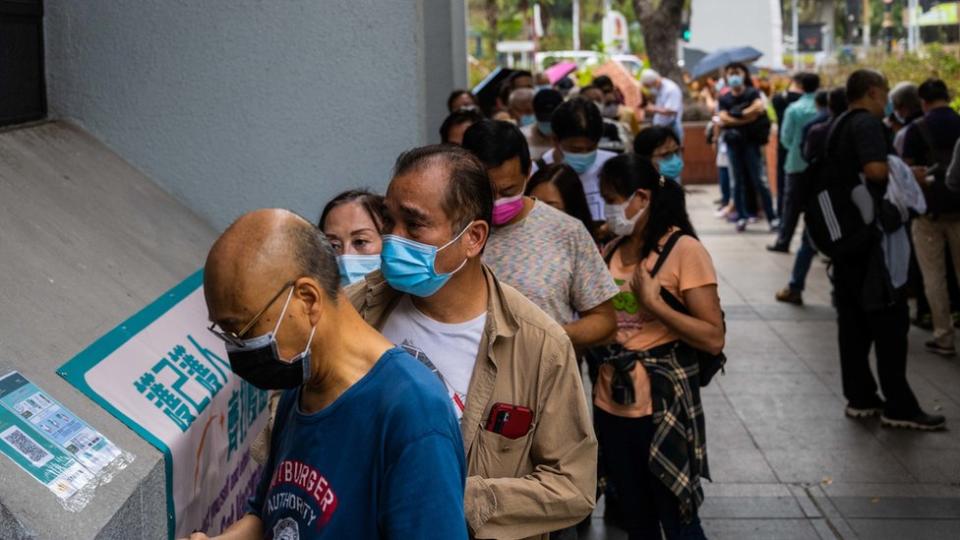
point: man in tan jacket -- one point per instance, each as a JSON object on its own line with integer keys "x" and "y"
{"x": 508, "y": 368}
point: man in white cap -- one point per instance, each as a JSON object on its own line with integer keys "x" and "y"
{"x": 667, "y": 107}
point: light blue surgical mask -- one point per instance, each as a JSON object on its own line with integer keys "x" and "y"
{"x": 671, "y": 167}
{"x": 545, "y": 128}
{"x": 354, "y": 267}
{"x": 410, "y": 266}
{"x": 735, "y": 81}
{"x": 580, "y": 162}
{"x": 527, "y": 120}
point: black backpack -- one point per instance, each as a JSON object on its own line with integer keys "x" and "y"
{"x": 708, "y": 364}
{"x": 833, "y": 221}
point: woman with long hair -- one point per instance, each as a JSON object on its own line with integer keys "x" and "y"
{"x": 648, "y": 413}
{"x": 559, "y": 186}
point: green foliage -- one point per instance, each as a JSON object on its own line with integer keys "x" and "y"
{"x": 933, "y": 61}
{"x": 559, "y": 35}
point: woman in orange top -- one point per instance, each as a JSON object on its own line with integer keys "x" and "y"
{"x": 645, "y": 210}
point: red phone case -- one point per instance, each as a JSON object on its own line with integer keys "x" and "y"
{"x": 510, "y": 421}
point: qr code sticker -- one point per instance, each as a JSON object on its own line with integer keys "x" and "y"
{"x": 26, "y": 446}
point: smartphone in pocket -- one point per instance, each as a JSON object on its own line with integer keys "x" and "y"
{"x": 510, "y": 421}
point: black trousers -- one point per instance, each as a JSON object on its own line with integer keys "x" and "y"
{"x": 885, "y": 330}
{"x": 645, "y": 502}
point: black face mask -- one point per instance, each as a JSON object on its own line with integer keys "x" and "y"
{"x": 258, "y": 361}
{"x": 259, "y": 364}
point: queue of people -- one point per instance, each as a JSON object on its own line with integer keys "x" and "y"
{"x": 891, "y": 220}
{"x": 424, "y": 347}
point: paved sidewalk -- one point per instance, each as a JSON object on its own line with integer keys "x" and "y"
{"x": 786, "y": 462}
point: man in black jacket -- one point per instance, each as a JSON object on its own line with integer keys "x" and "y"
{"x": 859, "y": 148}
{"x": 929, "y": 142}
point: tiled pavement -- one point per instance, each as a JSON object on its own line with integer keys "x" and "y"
{"x": 786, "y": 462}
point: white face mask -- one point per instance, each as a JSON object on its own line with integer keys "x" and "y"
{"x": 617, "y": 220}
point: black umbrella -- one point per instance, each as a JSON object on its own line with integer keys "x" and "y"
{"x": 721, "y": 57}
{"x": 488, "y": 89}
{"x": 691, "y": 56}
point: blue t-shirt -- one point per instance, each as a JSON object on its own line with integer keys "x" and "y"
{"x": 385, "y": 460}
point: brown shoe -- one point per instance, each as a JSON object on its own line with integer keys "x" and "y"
{"x": 790, "y": 296}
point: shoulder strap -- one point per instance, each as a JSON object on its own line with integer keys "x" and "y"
{"x": 672, "y": 301}
{"x": 541, "y": 163}
{"x": 612, "y": 248}
{"x": 667, "y": 248}
{"x": 828, "y": 143}
{"x": 667, "y": 296}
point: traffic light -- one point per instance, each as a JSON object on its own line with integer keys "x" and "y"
{"x": 685, "y": 32}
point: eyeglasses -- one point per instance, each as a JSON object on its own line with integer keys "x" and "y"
{"x": 236, "y": 339}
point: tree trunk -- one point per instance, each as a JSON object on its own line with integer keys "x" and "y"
{"x": 660, "y": 22}
{"x": 545, "y": 17}
{"x": 523, "y": 8}
{"x": 492, "y": 13}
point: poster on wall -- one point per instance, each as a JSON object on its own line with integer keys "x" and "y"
{"x": 167, "y": 378}
{"x": 52, "y": 444}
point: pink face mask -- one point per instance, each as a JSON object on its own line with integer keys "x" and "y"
{"x": 507, "y": 208}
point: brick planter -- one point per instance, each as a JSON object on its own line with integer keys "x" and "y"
{"x": 699, "y": 160}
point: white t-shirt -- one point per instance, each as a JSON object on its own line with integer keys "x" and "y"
{"x": 449, "y": 350}
{"x": 670, "y": 97}
{"x": 590, "y": 180}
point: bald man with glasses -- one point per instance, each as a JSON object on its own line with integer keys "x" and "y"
{"x": 365, "y": 443}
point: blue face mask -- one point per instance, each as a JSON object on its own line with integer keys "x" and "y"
{"x": 671, "y": 167}
{"x": 410, "y": 266}
{"x": 545, "y": 128}
{"x": 735, "y": 81}
{"x": 580, "y": 162}
{"x": 354, "y": 267}
{"x": 527, "y": 120}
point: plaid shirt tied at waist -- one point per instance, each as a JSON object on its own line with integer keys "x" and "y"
{"x": 678, "y": 453}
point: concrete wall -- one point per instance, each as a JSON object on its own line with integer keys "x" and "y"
{"x": 85, "y": 242}
{"x": 445, "y": 62}
{"x": 232, "y": 105}
{"x": 716, "y": 24}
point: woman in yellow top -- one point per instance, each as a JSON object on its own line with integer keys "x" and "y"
{"x": 652, "y": 365}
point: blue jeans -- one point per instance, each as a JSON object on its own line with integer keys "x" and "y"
{"x": 792, "y": 209}
{"x": 724, "y": 173}
{"x": 746, "y": 160}
{"x": 801, "y": 264}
